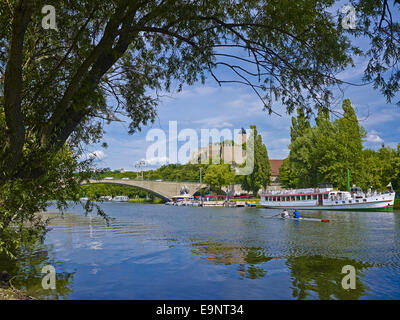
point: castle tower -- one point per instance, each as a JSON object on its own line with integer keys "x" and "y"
{"x": 242, "y": 136}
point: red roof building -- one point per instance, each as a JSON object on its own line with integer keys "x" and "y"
{"x": 275, "y": 165}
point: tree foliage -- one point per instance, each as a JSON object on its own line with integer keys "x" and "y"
{"x": 56, "y": 85}
{"x": 324, "y": 152}
{"x": 218, "y": 176}
{"x": 299, "y": 125}
{"x": 383, "y": 166}
{"x": 261, "y": 174}
{"x": 378, "y": 21}
{"x": 95, "y": 191}
{"x": 21, "y": 199}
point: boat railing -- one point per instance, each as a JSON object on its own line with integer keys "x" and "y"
{"x": 297, "y": 191}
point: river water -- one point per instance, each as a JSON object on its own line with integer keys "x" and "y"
{"x": 165, "y": 252}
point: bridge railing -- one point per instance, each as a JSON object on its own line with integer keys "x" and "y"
{"x": 136, "y": 179}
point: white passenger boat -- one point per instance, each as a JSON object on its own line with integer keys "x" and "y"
{"x": 329, "y": 199}
{"x": 121, "y": 199}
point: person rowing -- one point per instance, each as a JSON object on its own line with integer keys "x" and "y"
{"x": 296, "y": 215}
{"x": 285, "y": 214}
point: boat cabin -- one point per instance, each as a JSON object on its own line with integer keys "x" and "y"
{"x": 289, "y": 198}
{"x": 182, "y": 197}
{"x": 339, "y": 195}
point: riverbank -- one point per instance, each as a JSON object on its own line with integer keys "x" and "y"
{"x": 396, "y": 204}
{"x": 14, "y": 294}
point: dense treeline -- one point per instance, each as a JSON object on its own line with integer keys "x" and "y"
{"x": 322, "y": 154}
{"x": 169, "y": 172}
{"x": 95, "y": 191}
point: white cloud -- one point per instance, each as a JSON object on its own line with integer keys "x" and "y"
{"x": 392, "y": 145}
{"x": 284, "y": 141}
{"x": 197, "y": 91}
{"x": 277, "y": 146}
{"x": 156, "y": 161}
{"x": 379, "y": 119}
{"x": 353, "y": 75}
{"x": 374, "y": 138}
{"x": 381, "y": 115}
{"x": 214, "y": 122}
{"x": 98, "y": 155}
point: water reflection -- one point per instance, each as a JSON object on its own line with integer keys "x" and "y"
{"x": 25, "y": 272}
{"x": 322, "y": 277}
{"x": 310, "y": 276}
{"x": 247, "y": 259}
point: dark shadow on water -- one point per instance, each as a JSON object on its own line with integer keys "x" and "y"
{"x": 310, "y": 276}
{"x": 247, "y": 259}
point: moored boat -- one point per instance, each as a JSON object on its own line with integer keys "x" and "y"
{"x": 182, "y": 200}
{"x": 106, "y": 198}
{"x": 121, "y": 199}
{"x": 329, "y": 199}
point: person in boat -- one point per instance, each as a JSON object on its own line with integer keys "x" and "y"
{"x": 296, "y": 214}
{"x": 285, "y": 214}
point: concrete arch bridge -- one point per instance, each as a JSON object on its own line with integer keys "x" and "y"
{"x": 161, "y": 189}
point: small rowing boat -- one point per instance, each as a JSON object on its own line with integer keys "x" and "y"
{"x": 300, "y": 219}
{"x": 308, "y": 219}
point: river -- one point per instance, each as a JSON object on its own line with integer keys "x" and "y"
{"x": 166, "y": 252}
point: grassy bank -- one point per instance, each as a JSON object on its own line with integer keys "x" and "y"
{"x": 246, "y": 200}
{"x": 141, "y": 200}
{"x": 397, "y": 204}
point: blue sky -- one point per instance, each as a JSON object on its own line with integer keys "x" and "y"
{"x": 236, "y": 106}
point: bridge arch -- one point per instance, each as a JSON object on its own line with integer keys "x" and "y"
{"x": 161, "y": 189}
{"x": 153, "y": 192}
